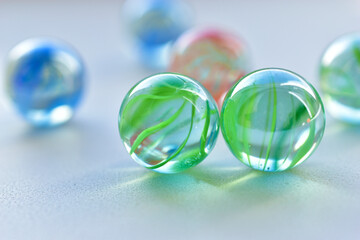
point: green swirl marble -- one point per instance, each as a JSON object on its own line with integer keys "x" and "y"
{"x": 168, "y": 123}
{"x": 272, "y": 119}
{"x": 340, "y": 78}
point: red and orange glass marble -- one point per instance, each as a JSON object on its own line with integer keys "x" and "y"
{"x": 215, "y": 58}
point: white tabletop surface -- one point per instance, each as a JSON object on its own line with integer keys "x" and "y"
{"x": 78, "y": 182}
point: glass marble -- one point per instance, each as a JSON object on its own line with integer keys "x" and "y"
{"x": 340, "y": 78}
{"x": 154, "y": 25}
{"x": 168, "y": 123}
{"x": 272, "y": 119}
{"x": 215, "y": 58}
{"x": 44, "y": 81}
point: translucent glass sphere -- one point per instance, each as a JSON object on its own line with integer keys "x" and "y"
{"x": 340, "y": 78}
{"x": 168, "y": 123}
{"x": 44, "y": 81}
{"x": 272, "y": 119}
{"x": 215, "y": 58}
{"x": 154, "y": 25}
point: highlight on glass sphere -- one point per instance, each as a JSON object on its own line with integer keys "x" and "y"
{"x": 272, "y": 119}
{"x": 154, "y": 25}
{"x": 44, "y": 81}
{"x": 340, "y": 78}
{"x": 168, "y": 123}
{"x": 217, "y": 59}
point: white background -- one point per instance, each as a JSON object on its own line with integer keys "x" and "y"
{"x": 78, "y": 182}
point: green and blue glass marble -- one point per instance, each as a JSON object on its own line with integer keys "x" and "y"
{"x": 168, "y": 123}
{"x": 272, "y": 119}
{"x": 44, "y": 81}
{"x": 154, "y": 25}
{"x": 340, "y": 78}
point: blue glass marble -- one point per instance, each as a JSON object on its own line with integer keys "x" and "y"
{"x": 44, "y": 81}
{"x": 154, "y": 25}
